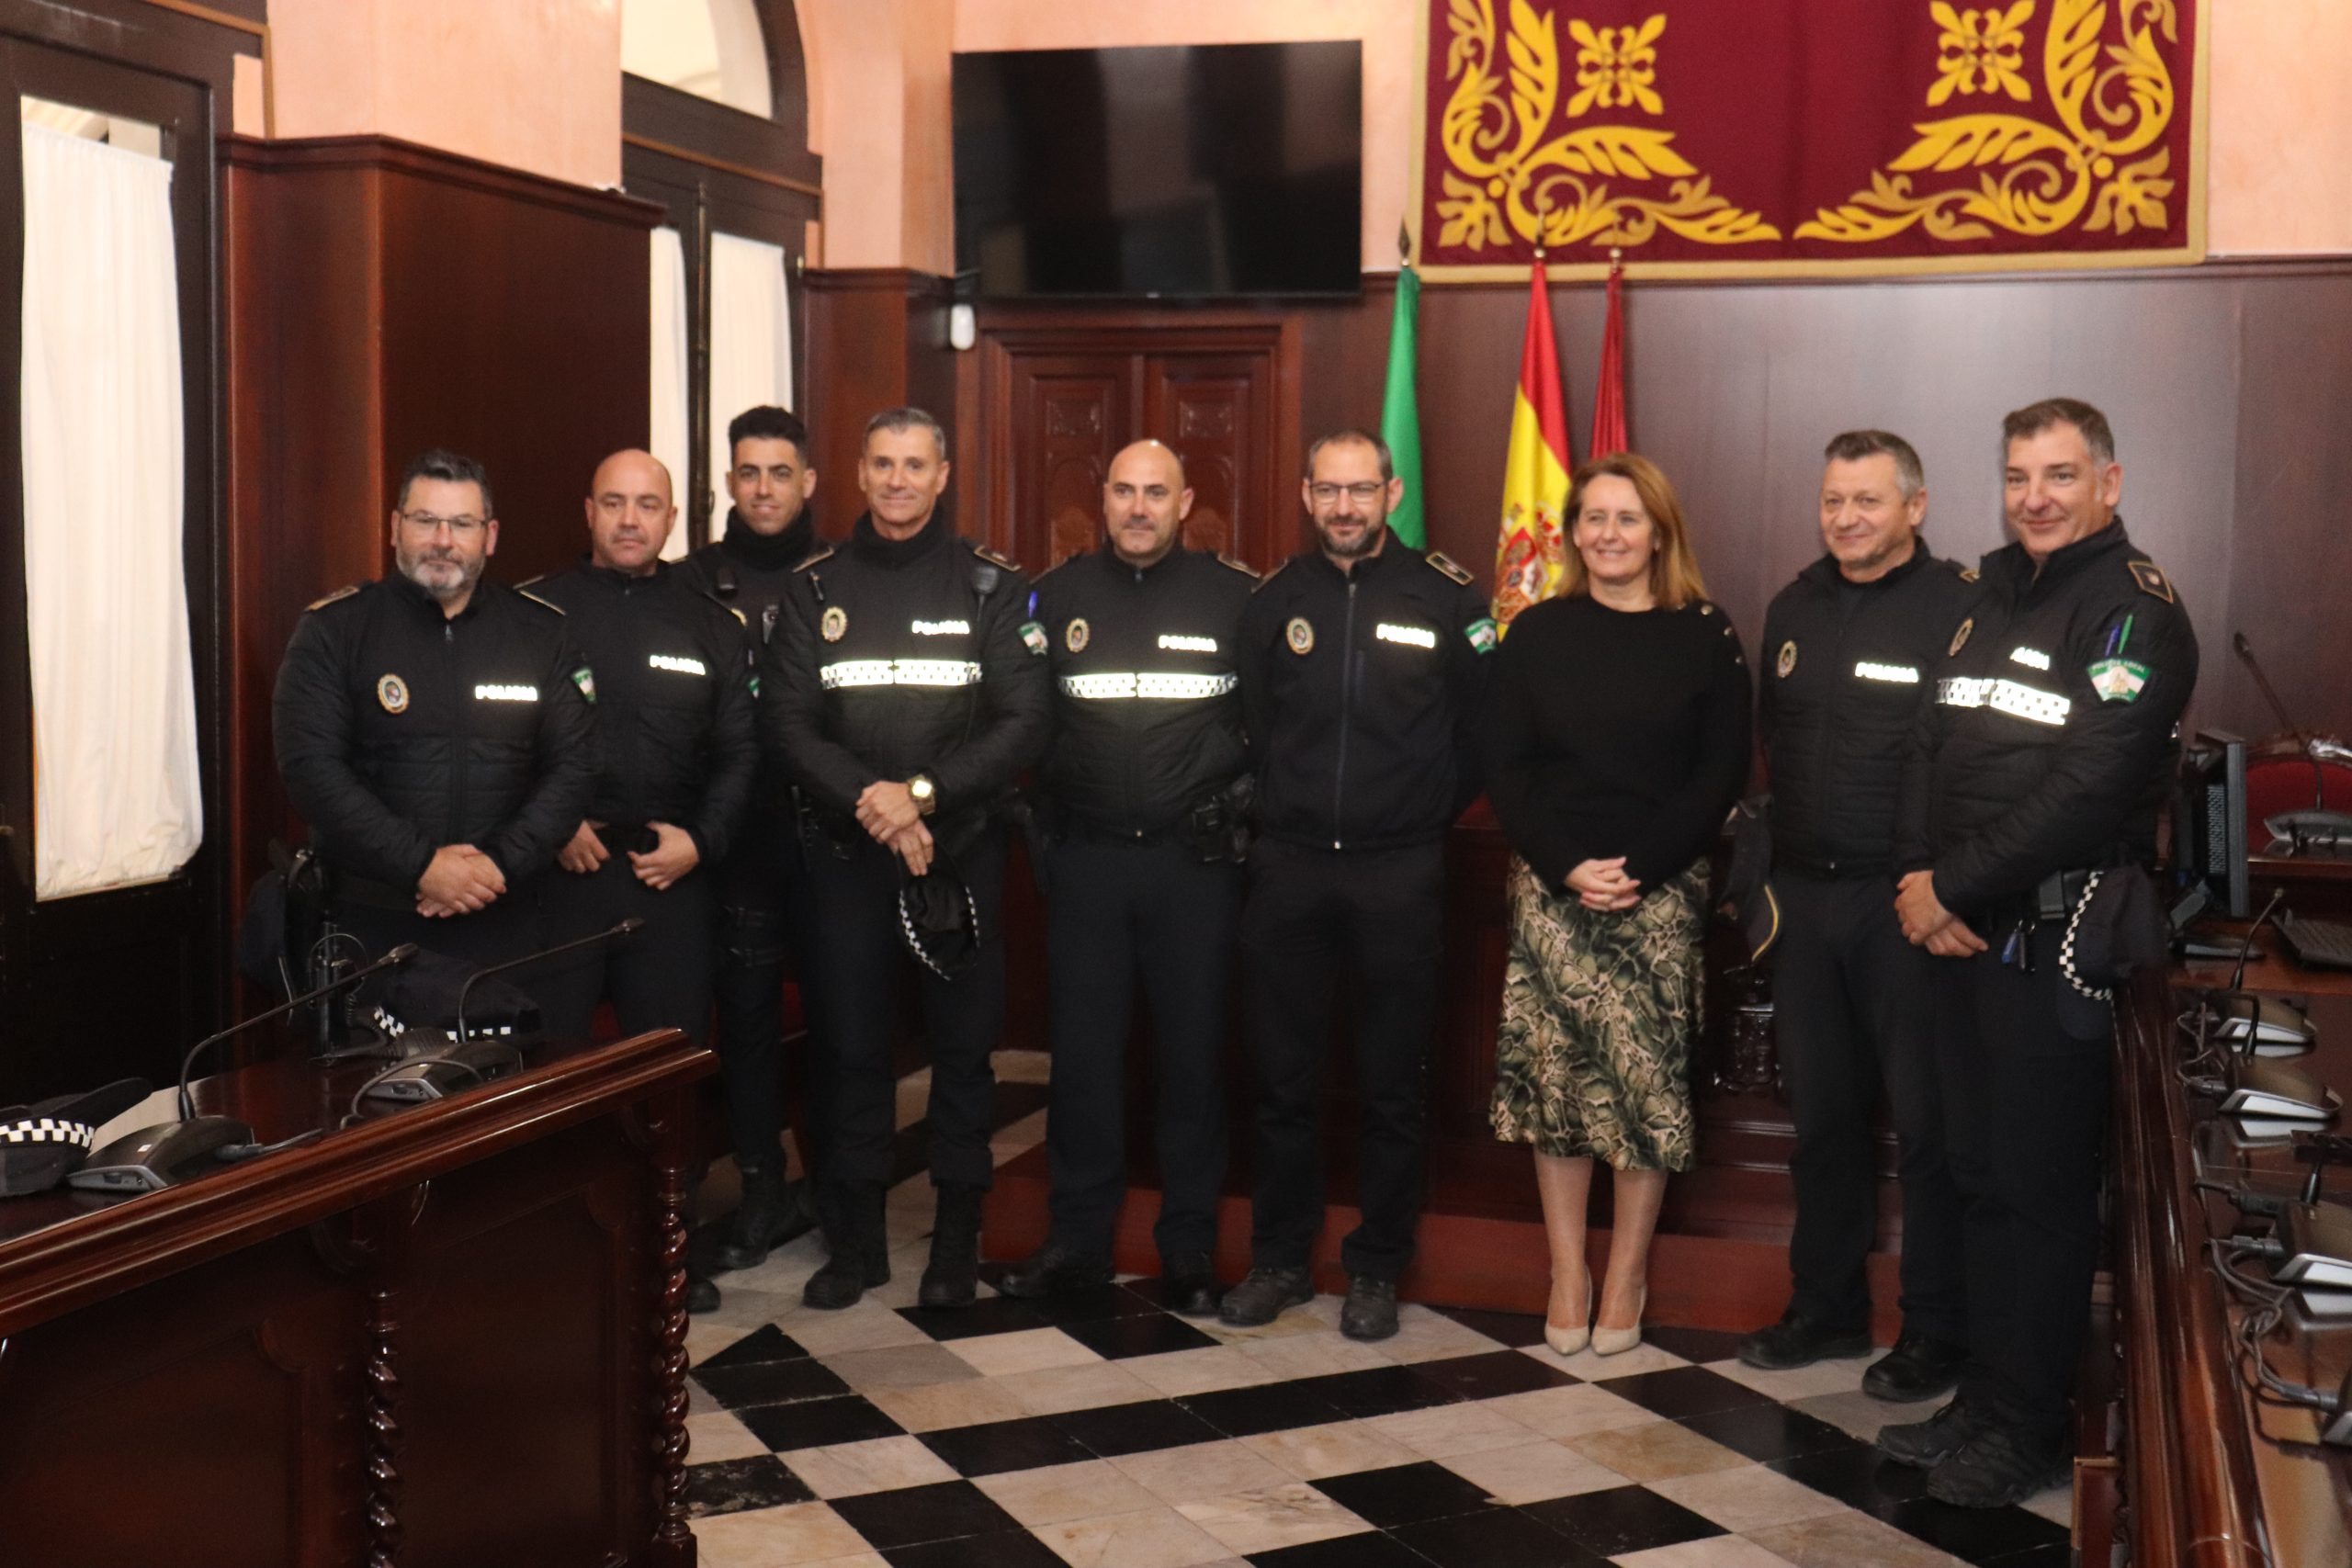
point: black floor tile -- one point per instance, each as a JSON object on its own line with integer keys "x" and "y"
{"x": 1362, "y": 1550}
{"x": 945, "y": 1510}
{"x": 1493, "y": 1373}
{"x": 1378, "y": 1391}
{"x": 990, "y": 1314}
{"x": 1693, "y": 1345}
{"x": 817, "y": 1423}
{"x": 1018, "y": 1550}
{"x": 1267, "y": 1407}
{"x": 1114, "y": 1429}
{"x": 1767, "y": 1432}
{"x": 1032, "y": 1442}
{"x": 1499, "y": 1537}
{"x": 732, "y": 1485}
{"x": 755, "y": 1348}
{"x": 1512, "y": 1328}
{"x": 1404, "y": 1494}
{"x": 1066, "y": 1308}
{"x": 1977, "y": 1535}
{"x": 769, "y": 1383}
{"x": 1144, "y": 1333}
{"x": 1859, "y": 1477}
{"x": 1623, "y": 1520}
{"x": 1679, "y": 1392}
{"x": 2050, "y": 1554}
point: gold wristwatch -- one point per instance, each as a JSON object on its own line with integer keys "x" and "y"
{"x": 925, "y": 793}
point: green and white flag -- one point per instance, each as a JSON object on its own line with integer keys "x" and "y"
{"x": 1400, "y": 412}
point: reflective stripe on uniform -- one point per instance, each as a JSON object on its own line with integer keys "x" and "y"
{"x": 2003, "y": 696}
{"x": 1129, "y": 683}
{"x": 1898, "y": 675}
{"x": 899, "y": 672}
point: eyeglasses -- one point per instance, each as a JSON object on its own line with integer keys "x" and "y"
{"x": 426, "y": 523}
{"x": 1364, "y": 494}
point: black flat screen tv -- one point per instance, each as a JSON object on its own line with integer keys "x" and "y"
{"x": 1172, "y": 172}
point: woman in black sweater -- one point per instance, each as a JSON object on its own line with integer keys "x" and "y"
{"x": 1620, "y": 740}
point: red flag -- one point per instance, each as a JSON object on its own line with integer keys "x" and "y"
{"x": 1609, "y": 436}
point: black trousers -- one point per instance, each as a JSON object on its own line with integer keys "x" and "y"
{"x": 509, "y": 928}
{"x": 763, "y": 931}
{"x": 865, "y": 965}
{"x": 2024, "y": 1063}
{"x": 1376, "y": 917}
{"x": 1118, "y": 914}
{"x": 1854, "y": 1009}
{"x": 657, "y": 977}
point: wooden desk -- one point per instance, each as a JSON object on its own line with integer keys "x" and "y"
{"x": 452, "y": 1334}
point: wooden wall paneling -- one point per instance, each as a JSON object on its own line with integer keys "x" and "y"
{"x": 1070, "y": 413}
{"x": 877, "y": 339}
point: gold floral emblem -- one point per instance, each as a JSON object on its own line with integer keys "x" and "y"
{"x": 2111, "y": 100}
{"x": 1517, "y": 170}
{"x": 1984, "y": 51}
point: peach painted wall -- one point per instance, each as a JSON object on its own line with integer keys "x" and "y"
{"x": 534, "y": 84}
{"x": 878, "y": 114}
{"x": 2280, "y": 137}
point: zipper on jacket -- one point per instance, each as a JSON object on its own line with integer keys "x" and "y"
{"x": 1347, "y": 692}
{"x": 461, "y": 735}
{"x": 1833, "y": 710}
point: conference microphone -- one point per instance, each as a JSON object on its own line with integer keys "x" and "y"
{"x": 155, "y": 1158}
{"x": 619, "y": 929}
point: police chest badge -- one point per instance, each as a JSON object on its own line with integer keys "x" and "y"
{"x": 1299, "y": 635}
{"x": 834, "y": 623}
{"x": 1788, "y": 659}
{"x": 392, "y": 691}
{"x": 1076, "y": 635}
{"x": 1960, "y": 637}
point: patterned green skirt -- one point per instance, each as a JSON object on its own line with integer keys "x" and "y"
{"x": 1599, "y": 1011}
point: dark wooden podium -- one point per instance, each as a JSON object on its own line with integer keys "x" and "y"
{"x": 452, "y": 1334}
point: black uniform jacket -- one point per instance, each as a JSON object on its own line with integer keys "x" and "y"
{"x": 398, "y": 731}
{"x": 1147, "y": 684}
{"x": 897, "y": 658}
{"x": 1846, "y": 668}
{"x": 675, "y": 700}
{"x": 749, "y": 572}
{"x": 2051, "y": 736}
{"x": 1362, "y": 690}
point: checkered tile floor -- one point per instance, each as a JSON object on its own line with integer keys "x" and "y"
{"x": 1103, "y": 1430}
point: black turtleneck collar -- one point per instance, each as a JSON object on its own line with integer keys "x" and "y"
{"x": 867, "y": 540}
{"x": 1115, "y": 564}
{"x": 2012, "y": 562}
{"x": 1825, "y": 570}
{"x": 613, "y": 577}
{"x": 1392, "y": 550}
{"x": 415, "y": 594}
{"x": 767, "y": 552}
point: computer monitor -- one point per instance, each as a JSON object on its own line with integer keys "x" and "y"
{"x": 2208, "y": 841}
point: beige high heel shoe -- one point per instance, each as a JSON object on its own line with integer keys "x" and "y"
{"x": 1617, "y": 1341}
{"x": 1568, "y": 1341}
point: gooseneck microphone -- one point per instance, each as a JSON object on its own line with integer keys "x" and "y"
{"x": 619, "y": 929}
{"x": 392, "y": 957}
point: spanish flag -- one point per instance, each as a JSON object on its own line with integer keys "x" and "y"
{"x": 1535, "y": 472}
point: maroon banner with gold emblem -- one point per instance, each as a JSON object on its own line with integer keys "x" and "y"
{"x": 1810, "y": 136}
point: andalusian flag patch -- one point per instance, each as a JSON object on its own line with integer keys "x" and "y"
{"x": 1481, "y": 633}
{"x": 2119, "y": 680}
{"x": 586, "y": 682}
{"x": 1035, "y": 636}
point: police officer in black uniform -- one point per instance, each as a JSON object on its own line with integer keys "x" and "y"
{"x": 434, "y": 730}
{"x": 2044, "y": 759}
{"x": 1851, "y": 645}
{"x": 903, "y": 698}
{"x": 1144, "y": 881}
{"x": 762, "y": 885}
{"x": 1362, "y": 675}
{"x": 674, "y": 720}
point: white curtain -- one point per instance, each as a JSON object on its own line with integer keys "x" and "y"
{"x": 751, "y": 344}
{"x": 115, "y": 796}
{"x": 669, "y": 378}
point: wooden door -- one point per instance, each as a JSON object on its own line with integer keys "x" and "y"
{"x": 1216, "y": 412}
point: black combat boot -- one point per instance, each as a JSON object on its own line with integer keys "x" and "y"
{"x": 952, "y": 1276}
{"x": 861, "y": 1248}
{"x": 772, "y": 1211}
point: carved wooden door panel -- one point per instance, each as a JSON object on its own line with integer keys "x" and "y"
{"x": 1071, "y": 412}
{"x": 1216, "y": 412}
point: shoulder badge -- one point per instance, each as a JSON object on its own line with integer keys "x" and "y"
{"x": 1272, "y": 575}
{"x": 535, "y": 598}
{"x": 343, "y": 592}
{"x": 822, "y": 552}
{"x": 1968, "y": 574}
{"x": 1076, "y": 635}
{"x": 2151, "y": 579}
{"x": 1243, "y": 568}
{"x": 993, "y": 558}
{"x": 1445, "y": 564}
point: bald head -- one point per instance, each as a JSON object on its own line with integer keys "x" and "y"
{"x": 1145, "y": 502}
{"x": 629, "y": 512}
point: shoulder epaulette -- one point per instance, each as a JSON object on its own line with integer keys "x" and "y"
{"x": 1244, "y": 568}
{"x": 1969, "y": 574}
{"x": 343, "y": 592}
{"x": 1039, "y": 579}
{"x": 2151, "y": 579}
{"x": 535, "y": 598}
{"x": 718, "y": 603}
{"x": 822, "y": 552}
{"x": 1272, "y": 575}
{"x": 1446, "y": 564}
{"x": 993, "y": 558}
